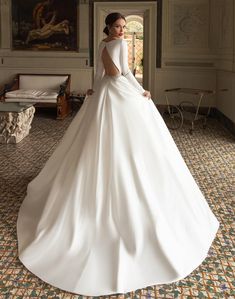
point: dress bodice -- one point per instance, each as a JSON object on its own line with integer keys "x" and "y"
{"x": 118, "y": 52}
{"x": 114, "y": 52}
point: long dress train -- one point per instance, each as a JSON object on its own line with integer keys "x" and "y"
{"x": 115, "y": 207}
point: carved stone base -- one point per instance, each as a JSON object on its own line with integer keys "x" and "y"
{"x": 14, "y": 126}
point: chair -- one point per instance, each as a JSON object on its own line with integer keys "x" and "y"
{"x": 43, "y": 90}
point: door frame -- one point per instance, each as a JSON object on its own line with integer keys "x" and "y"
{"x": 149, "y": 10}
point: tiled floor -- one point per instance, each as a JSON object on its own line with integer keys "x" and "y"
{"x": 210, "y": 155}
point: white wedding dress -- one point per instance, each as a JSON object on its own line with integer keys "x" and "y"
{"x": 115, "y": 207}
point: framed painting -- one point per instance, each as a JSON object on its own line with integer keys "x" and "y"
{"x": 44, "y": 25}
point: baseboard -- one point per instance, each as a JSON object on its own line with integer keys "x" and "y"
{"x": 228, "y": 123}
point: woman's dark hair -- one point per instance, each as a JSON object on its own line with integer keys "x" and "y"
{"x": 110, "y": 19}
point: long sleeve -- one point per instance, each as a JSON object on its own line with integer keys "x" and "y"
{"x": 125, "y": 68}
{"x": 99, "y": 70}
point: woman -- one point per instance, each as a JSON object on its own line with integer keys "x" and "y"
{"x": 115, "y": 208}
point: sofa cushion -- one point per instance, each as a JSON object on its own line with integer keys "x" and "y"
{"x": 32, "y": 94}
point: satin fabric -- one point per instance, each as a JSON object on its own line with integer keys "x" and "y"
{"x": 115, "y": 207}
{"x": 118, "y": 52}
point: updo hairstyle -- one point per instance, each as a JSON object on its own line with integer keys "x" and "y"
{"x": 110, "y": 19}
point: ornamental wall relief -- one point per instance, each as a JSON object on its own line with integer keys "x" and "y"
{"x": 189, "y": 25}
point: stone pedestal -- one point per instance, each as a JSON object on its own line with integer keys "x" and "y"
{"x": 14, "y": 126}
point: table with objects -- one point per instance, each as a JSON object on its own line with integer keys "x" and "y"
{"x": 186, "y": 110}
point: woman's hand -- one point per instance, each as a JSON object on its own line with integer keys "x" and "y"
{"x": 147, "y": 94}
{"x": 89, "y": 92}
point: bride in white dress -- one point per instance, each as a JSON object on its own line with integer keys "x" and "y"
{"x": 115, "y": 207}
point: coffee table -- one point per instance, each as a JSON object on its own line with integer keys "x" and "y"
{"x": 15, "y": 121}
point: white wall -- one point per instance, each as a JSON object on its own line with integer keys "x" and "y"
{"x": 226, "y": 93}
{"x": 198, "y": 50}
{"x": 224, "y": 47}
{"x": 187, "y": 58}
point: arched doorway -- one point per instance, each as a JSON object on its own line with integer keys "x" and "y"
{"x": 134, "y": 36}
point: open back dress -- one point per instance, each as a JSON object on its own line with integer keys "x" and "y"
{"x": 115, "y": 208}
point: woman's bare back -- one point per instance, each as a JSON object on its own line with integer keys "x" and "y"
{"x": 109, "y": 67}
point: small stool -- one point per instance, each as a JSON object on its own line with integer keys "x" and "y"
{"x": 15, "y": 121}
{"x": 76, "y": 100}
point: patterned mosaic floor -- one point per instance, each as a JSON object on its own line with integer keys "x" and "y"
{"x": 209, "y": 154}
